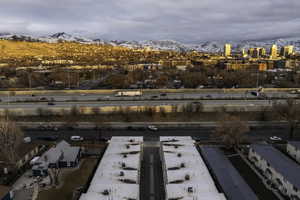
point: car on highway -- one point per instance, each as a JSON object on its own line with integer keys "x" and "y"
{"x": 163, "y": 94}
{"x": 295, "y": 92}
{"x": 275, "y": 138}
{"x": 76, "y": 138}
{"x": 152, "y": 128}
{"x": 43, "y": 99}
{"x": 51, "y": 104}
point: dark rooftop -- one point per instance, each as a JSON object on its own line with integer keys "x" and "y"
{"x": 233, "y": 185}
{"x": 289, "y": 169}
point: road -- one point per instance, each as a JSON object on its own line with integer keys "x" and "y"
{"x": 203, "y": 133}
{"x": 35, "y": 105}
{"x": 153, "y": 188}
{"x": 146, "y": 96}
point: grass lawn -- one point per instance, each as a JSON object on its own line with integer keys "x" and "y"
{"x": 72, "y": 181}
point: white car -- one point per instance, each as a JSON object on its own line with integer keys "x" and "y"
{"x": 152, "y": 128}
{"x": 76, "y": 138}
{"x": 275, "y": 138}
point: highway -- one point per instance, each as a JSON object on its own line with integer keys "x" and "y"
{"x": 84, "y": 97}
{"x": 35, "y": 105}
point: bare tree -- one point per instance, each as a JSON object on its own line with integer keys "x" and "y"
{"x": 11, "y": 137}
{"x": 231, "y": 130}
{"x": 53, "y": 172}
{"x": 289, "y": 112}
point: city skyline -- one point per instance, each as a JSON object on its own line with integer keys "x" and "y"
{"x": 185, "y": 21}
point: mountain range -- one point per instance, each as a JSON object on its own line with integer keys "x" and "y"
{"x": 206, "y": 46}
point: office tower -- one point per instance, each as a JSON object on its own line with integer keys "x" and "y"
{"x": 273, "y": 51}
{"x": 244, "y": 54}
{"x": 227, "y": 50}
{"x": 262, "y": 52}
{"x": 251, "y": 52}
{"x": 256, "y": 53}
{"x": 287, "y": 50}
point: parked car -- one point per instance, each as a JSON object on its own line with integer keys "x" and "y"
{"x": 275, "y": 138}
{"x": 27, "y": 139}
{"x": 48, "y": 138}
{"x": 76, "y": 138}
{"x": 152, "y": 128}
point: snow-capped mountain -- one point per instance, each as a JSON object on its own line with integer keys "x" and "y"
{"x": 62, "y": 36}
{"x": 211, "y": 46}
{"x": 154, "y": 44}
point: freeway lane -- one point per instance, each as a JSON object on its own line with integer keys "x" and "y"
{"x": 36, "y": 105}
{"x": 146, "y": 96}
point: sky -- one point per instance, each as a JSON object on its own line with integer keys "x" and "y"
{"x": 181, "y": 20}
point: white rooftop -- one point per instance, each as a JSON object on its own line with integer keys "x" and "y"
{"x": 185, "y": 169}
{"x": 117, "y": 176}
{"x": 112, "y": 192}
{"x": 126, "y": 139}
{"x": 181, "y": 191}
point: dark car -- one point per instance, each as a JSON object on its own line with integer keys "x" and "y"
{"x": 163, "y": 94}
{"x": 51, "y": 104}
{"x": 43, "y": 99}
{"x": 48, "y": 138}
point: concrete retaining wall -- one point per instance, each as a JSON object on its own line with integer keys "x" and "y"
{"x": 110, "y": 109}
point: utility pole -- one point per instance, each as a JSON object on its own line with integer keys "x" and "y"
{"x": 69, "y": 81}
{"x": 257, "y": 76}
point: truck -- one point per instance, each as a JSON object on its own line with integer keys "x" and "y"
{"x": 129, "y": 94}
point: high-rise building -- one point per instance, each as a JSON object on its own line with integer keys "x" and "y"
{"x": 227, "y": 50}
{"x": 256, "y": 52}
{"x": 287, "y": 50}
{"x": 262, "y": 52}
{"x": 251, "y": 52}
{"x": 273, "y": 51}
{"x": 244, "y": 53}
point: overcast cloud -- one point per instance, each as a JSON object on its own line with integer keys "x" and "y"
{"x": 182, "y": 20}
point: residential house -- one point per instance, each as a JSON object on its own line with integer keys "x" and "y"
{"x": 62, "y": 155}
{"x": 293, "y": 149}
{"x": 278, "y": 168}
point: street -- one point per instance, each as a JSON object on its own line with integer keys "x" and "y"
{"x": 202, "y": 133}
